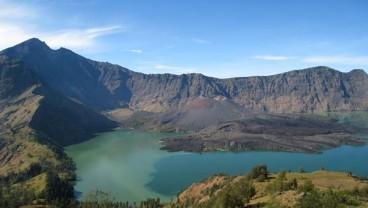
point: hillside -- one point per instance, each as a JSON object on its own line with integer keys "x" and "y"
{"x": 25, "y": 101}
{"x": 104, "y": 86}
{"x": 34, "y": 121}
{"x": 316, "y": 189}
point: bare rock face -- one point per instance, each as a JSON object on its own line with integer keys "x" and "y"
{"x": 104, "y": 86}
{"x": 318, "y": 89}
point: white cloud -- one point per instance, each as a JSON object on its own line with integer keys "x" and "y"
{"x": 18, "y": 35}
{"x": 69, "y": 38}
{"x": 345, "y": 60}
{"x": 175, "y": 68}
{"x": 21, "y": 21}
{"x": 272, "y": 58}
{"x": 136, "y": 51}
{"x": 10, "y": 10}
{"x": 201, "y": 41}
{"x": 77, "y": 38}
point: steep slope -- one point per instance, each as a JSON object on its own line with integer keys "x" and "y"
{"x": 25, "y": 101}
{"x": 103, "y": 86}
{"x": 35, "y": 121}
{"x": 318, "y": 89}
{"x": 98, "y": 85}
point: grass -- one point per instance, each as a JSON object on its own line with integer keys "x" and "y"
{"x": 322, "y": 180}
{"x": 37, "y": 184}
{"x": 22, "y": 151}
{"x": 326, "y": 179}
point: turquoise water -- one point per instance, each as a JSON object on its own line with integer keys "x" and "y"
{"x": 129, "y": 164}
{"x": 177, "y": 172}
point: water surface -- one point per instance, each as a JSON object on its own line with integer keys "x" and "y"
{"x": 129, "y": 164}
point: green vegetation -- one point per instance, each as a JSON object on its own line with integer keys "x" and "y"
{"x": 232, "y": 196}
{"x": 300, "y": 190}
{"x": 101, "y": 199}
{"x": 281, "y": 184}
{"x": 39, "y": 173}
{"x": 258, "y": 173}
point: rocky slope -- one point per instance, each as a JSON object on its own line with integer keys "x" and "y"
{"x": 220, "y": 124}
{"x": 25, "y": 101}
{"x": 104, "y": 86}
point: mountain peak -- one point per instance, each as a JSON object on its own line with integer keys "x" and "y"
{"x": 34, "y": 42}
{"x": 358, "y": 71}
{"x": 33, "y": 47}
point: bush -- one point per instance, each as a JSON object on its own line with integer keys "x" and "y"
{"x": 258, "y": 173}
{"x": 281, "y": 184}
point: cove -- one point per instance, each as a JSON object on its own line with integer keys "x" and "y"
{"x": 130, "y": 165}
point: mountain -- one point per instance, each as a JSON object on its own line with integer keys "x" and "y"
{"x": 202, "y": 112}
{"x": 98, "y": 85}
{"x": 62, "y": 92}
{"x": 104, "y": 86}
{"x": 26, "y": 101}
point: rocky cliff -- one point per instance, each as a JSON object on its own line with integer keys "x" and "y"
{"x": 318, "y": 89}
{"x": 104, "y": 86}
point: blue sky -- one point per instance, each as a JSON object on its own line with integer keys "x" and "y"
{"x": 217, "y": 38}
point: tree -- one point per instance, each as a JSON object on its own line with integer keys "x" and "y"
{"x": 308, "y": 186}
{"x": 98, "y": 199}
{"x": 281, "y": 184}
{"x": 259, "y": 173}
{"x": 239, "y": 194}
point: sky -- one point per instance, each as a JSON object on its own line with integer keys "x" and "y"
{"x": 227, "y": 38}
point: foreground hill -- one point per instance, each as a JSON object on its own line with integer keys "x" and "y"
{"x": 260, "y": 189}
{"x": 104, "y": 86}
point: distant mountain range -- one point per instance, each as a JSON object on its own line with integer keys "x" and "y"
{"x": 104, "y": 86}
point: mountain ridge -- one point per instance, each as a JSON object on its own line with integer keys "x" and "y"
{"x": 317, "y": 89}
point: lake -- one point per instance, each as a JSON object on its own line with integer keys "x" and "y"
{"x": 130, "y": 165}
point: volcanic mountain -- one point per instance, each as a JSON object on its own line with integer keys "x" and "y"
{"x": 105, "y": 86}
{"x": 63, "y": 95}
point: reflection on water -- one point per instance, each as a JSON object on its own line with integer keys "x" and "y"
{"x": 130, "y": 165}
